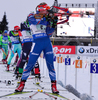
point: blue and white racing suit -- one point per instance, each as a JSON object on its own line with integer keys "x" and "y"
{"x": 41, "y": 30}
{"x": 26, "y": 40}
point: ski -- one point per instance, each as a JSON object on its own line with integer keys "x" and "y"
{"x": 37, "y": 84}
{"x": 41, "y": 91}
{"x": 49, "y": 95}
{"x": 15, "y": 93}
{"x": 58, "y": 95}
{"x": 10, "y": 71}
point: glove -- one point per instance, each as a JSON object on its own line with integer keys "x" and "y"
{"x": 10, "y": 45}
{"x": 48, "y": 18}
{"x": 0, "y": 46}
{"x": 54, "y": 22}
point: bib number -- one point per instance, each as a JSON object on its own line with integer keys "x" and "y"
{"x": 41, "y": 27}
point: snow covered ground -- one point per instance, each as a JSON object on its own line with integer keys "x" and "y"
{"x": 6, "y": 89}
{"x": 80, "y": 78}
{"x": 82, "y": 84}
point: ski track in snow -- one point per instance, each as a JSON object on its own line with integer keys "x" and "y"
{"x": 83, "y": 83}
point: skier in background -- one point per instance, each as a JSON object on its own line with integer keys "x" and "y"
{"x": 27, "y": 40}
{"x": 42, "y": 29}
{"x": 16, "y": 44}
{"x": 4, "y": 42}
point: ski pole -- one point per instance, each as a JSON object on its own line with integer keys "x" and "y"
{"x": 48, "y": 94}
{"x": 33, "y": 94}
{"x": 3, "y": 52}
{"x": 12, "y": 51}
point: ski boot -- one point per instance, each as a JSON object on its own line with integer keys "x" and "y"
{"x": 54, "y": 88}
{"x": 21, "y": 86}
{"x": 37, "y": 80}
{"x": 37, "y": 72}
{"x": 4, "y": 61}
{"x": 16, "y": 70}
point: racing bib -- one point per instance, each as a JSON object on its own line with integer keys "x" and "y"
{"x": 38, "y": 31}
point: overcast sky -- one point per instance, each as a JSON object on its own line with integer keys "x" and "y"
{"x": 17, "y": 10}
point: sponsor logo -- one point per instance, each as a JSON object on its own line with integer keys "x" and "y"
{"x": 81, "y": 50}
{"x": 94, "y": 60}
{"x": 92, "y": 50}
{"x": 64, "y": 49}
{"x": 88, "y": 50}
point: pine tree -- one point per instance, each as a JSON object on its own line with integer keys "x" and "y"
{"x": 3, "y": 24}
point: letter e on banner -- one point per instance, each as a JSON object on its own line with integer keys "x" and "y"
{"x": 78, "y": 63}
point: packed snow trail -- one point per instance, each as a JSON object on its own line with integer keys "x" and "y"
{"x": 30, "y": 85}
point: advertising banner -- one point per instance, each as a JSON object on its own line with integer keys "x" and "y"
{"x": 87, "y": 50}
{"x": 57, "y": 49}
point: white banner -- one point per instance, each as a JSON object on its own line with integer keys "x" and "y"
{"x": 87, "y": 50}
